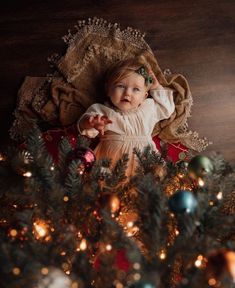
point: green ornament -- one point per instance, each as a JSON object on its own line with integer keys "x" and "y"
{"x": 200, "y": 166}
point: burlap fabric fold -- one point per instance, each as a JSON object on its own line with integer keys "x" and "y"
{"x": 79, "y": 77}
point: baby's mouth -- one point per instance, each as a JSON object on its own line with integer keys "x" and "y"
{"x": 125, "y": 100}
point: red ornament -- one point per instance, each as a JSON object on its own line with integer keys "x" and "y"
{"x": 86, "y": 155}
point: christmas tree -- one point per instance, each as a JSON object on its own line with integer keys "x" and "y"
{"x": 78, "y": 222}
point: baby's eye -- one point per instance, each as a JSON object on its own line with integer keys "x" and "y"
{"x": 136, "y": 89}
{"x": 121, "y": 86}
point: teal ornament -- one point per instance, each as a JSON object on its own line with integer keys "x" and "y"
{"x": 200, "y": 166}
{"x": 142, "y": 284}
{"x": 183, "y": 201}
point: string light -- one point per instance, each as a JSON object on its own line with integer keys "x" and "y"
{"x": 219, "y": 196}
{"x": 137, "y": 276}
{"x": 41, "y": 230}
{"x": 136, "y": 266}
{"x": 131, "y": 231}
{"x": 13, "y": 233}
{"x": 2, "y": 157}
{"x": 162, "y": 255}
{"x": 114, "y": 204}
{"x": 177, "y": 232}
{"x": 81, "y": 169}
{"x": 109, "y": 247}
{"x": 44, "y": 271}
{"x": 65, "y": 266}
{"x": 74, "y": 285}
{"x": 119, "y": 285}
{"x": 83, "y": 245}
{"x": 200, "y": 262}
{"x": 66, "y": 198}
{"x": 16, "y": 271}
{"x": 201, "y": 183}
{"x": 3, "y": 221}
{"x": 212, "y": 282}
{"x": 27, "y": 174}
{"x": 130, "y": 224}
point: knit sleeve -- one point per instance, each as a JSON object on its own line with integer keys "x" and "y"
{"x": 164, "y": 102}
{"x": 95, "y": 109}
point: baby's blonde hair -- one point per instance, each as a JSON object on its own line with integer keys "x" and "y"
{"x": 122, "y": 69}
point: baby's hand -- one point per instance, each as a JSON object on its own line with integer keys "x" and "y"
{"x": 155, "y": 83}
{"x": 99, "y": 122}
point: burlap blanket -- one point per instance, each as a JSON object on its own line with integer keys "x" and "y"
{"x": 77, "y": 82}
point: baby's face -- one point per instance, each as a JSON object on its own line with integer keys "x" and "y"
{"x": 128, "y": 93}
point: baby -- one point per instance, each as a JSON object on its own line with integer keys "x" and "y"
{"x": 128, "y": 118}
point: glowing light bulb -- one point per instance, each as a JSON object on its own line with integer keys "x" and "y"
{"x": 136, "y": 266}
{"x": 162, "y": 255}
{"x": 130, "y": 224}
{"x": 109, "y": 247}
{"x": 44, "y": 271}
{"x": 198, "y": 263}
{"x": 114, "y": 204}
{"x": 137, "y": 276}
{"x": 219, "y": 196}
{"x": 16, "y": 271}
{"x": 177, "y": 232}
{"x": 83, "y": 245}
{"x": 2, "y": 157}
{"x": 27, "y": 174}
{"x": 40, "y": 229}
{"x": 66, "y": 198}
{"x": 201, "y": 183}
{"x": 212, "y": 282}
{"x": 13, "y": 233}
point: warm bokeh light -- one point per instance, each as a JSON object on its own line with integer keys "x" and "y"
{"x": 212, "y": 282}
{"x": 200, "y": 262}
{"x": 16, "y": 271}
{"x": 41, "y": 229}
{"x": 83, "y": 245}
{"x": 13, "y": 232}
{"x": 136, "y": 266}
{"x": 2, "y": 157}
{"x": 44, "y": 271}
{"x": 201, "y": 183}
{"x": 230, "y": 257}
{"x": 162, "y": 255}
{"x": 66, "y": 198}
{"x": 137, "y": 276}
{"x": 219, "y": 196}
{"x": 27, "y": 174}
{"x": 114, "y": 204}
{"x": 109, "y": 247}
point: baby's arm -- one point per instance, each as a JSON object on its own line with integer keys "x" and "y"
{"x": 163, "y": 98}
{"x": 97, "y": 122}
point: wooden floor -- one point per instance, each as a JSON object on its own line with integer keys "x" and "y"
{"x": 194, "y": 38}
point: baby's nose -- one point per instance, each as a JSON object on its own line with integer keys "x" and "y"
{"x": 127, "y": 91}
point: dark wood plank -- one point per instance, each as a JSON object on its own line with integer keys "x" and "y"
{"x": 194, "y": 38}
